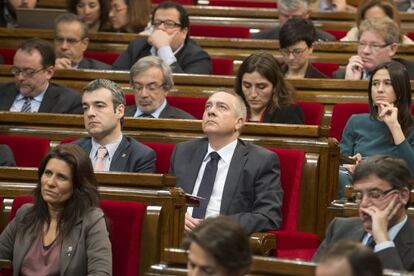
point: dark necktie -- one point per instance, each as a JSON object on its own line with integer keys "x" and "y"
{"x": 371, "y": 242}
{"x": 206, "y": 185}
{"x": 145, "y": 115}
{"x": 27, "y": 105}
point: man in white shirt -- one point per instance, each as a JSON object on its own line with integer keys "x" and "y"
{"x": 231, "y": 177}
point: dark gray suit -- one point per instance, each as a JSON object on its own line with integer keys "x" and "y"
{"x": 168, "y": 112}
{"x": 90, "y": 63}
{"x": 191, "y": 59}
{"x": 400, "y": 257}
{"x": 273, "y": 33}
{"x": 403, "y": 5}
{"x": 6, "y": 156}
{"x": 252, "y": 192}
{"x": 130, "y": 156}
{"x": 57, "y": 99}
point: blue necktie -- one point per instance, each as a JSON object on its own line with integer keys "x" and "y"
{"x": 27, "y": 105}
{"x": 206, "y": 185}
{"x": 371, "y": 242}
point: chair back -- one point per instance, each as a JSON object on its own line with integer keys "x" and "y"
{"x": 163, "y": 152}
{"x": 312, "y": 112}
{"x": 340, "y": 115}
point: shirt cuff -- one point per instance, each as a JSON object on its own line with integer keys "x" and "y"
{"x": 166, "y": 54}
{"x": 383, "y": 245}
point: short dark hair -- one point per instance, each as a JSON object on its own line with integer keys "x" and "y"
{"x": 71, "y": 17}
{"x": 225, "y": 240}
{"x": 362, "y": 260}
{"x": 43, "y": 47}
{"x": 184, "y": 19}
{"x": 103, "y": 17}
{"x": 296, "y": 30}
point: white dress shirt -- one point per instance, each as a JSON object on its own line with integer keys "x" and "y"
{"x": 111, "y": 148}
{"x": 35, "y": 104}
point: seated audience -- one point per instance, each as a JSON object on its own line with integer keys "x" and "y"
{"x": 331, "y": 6}
{"x": 268, "y": 97}
{"x": 388, "y": 129}
{"x": 64, "y": 231}
{"x": 377, "y": 43}
{"x": 382, "y": 186}
{"x": 8, "y": 11}
{"x": 289, "y": 9}
{"x": 218, "y": 246}
{"x": 129, "y": 16}
{"x": 151, "y": 79}
{"x": 405, "y": 5}
{"x": 296, "y": 45}
{"x": 71, "y": 42}
{"x": 169, "y": 41}
{"x": 349, "y": 258}
{"x": 93, "y": 12}
{"x": 231, "y": 177}
{"x": 33, "y": 67}
{"x": 6, "y": 156}
{"x": 369, "y": 9}
{"x": 108, "y": 148}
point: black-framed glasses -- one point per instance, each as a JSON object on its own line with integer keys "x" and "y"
{"x": 26, "y": 72}
{"x": 168, "y": 24}
{"x": 70, "y": 41}
{"x": 297, "y": 52}
{"x": 374, "y": 47}
{"x": 375, "y": 194}
{"x": 150, "y": 87}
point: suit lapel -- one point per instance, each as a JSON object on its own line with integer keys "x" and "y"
{"x": 194, "y": 165}
{"x": 69, "y": 245}
{"x": 7, "y": 100}
{"x": 233, "y": 176}
{"x": 404, "y": 242}
{"x": 49, "y": 100}
{"x": 120, "y": 158}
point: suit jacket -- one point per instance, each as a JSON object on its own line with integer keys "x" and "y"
{"x": 252, "y": 192}
{"x": 168, "y": 112}
{"x": 57, "y": 99}
{"x": 403, "y": 5}
{"x": 130, "y": 156}
{"x": 85, "y": 251}
{"x": 340, "y": 72}
{"x": 6, "y": 156}
{"x": 191, "y": 59}
{"x": 311, "y": 72}
{"x": 90, "y": 63}
{"x": 289, "y": 114}
{"x": 273, "y": 33}
{"x": 400, "y": 257}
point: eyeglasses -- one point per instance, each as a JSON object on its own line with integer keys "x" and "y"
{"x": 70, "y": 41}
{"x": 374, "y": 194}
{"x": 168, "y": 24}
{"x": 297, "y": 52}
{"x": 373, "y": 47}
{"x": 27, "y": 72}
{"x": 152, "y": 87}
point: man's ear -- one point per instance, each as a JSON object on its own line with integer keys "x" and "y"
{"x": 239, "y": 123}
{"x": 120, "y": 110}
{"x": 405, "y": 195}
{"x": 50, "y": 71}
{"x": 393, "y": 49}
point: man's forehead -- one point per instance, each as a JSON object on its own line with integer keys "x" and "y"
{"x": 222, "y": 97}
{"x": 371, "y": 36}
{"x": 170, "y": 13}
{"x": 100, "y": 94}
{"x": 371, "y": 182}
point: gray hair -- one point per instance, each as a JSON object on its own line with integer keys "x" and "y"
{"x": 69, "y": 18}
{"x": 116, "y": 91}
{"x": 240, "y": 107}
{"x": 146, "y": 63}
{"x": 292, "y": 5}
{"x": 385, "y": 27}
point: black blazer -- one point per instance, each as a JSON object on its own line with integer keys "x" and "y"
{"x": 289, "y": 114}
{"x": 168, "y": 112}
{"x": 273, "y": 33}
{"x": 311, "y": 72}
{"x": 191, "y": 59}
{"x": 130, "y": 156}
{"x": 252, "y": 192}
{"x": 57, "y": 99}
{"x": 90, "y": 63}
{"x": 6, "y": 156}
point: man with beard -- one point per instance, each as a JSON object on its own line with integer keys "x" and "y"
{"x": 33, "y": 67}
{"x": 8, "y": 11}
{"x": 382, "y": 186}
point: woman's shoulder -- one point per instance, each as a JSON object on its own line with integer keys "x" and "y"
{"x": 359, "y": 117}
{"x": 92, "y": 214}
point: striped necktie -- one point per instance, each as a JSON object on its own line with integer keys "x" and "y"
{"x": 27, "y": 105}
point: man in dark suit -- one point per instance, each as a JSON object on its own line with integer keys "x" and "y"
{"x": 33, "y": 67}
{"x": 382, "y": 186}
{"x": 71, "y": 41}
{"x": 151, "y": 79}
{"x": 290, "y": 9}
{"x": 109, "y": 150}
{"x": 169, "y": 41}
{"x": 230, "y": 177}
{"x": 6, "y": 156}
{"x": 378, "y": 43}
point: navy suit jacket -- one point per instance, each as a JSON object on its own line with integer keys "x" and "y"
{"x": 130, "y": 156}
{"x": 168, "y": 112}
{"x": 57, "y": 99}
{"x": 90, "y": 63}
{"x": 400, "y": 257}
{"x": 252, "y": 192}
{"x": 191, "y": 59}
{"x": 6, "y": 156}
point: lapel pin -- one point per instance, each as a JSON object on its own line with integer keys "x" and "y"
{"x": 123, "y": 155}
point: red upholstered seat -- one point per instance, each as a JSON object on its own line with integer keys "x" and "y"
{"x": 106, "y": 57}
{"x": 222, "y": 66}
{"x": 220, "y": 31}
{"x": 194, "y": 106}
{"x": 312, "y": 112}
{"x": 291, "y": 243}
{"x": 338, "y": 34}
{"x": 326, "y": 67}
{"x": 7, "y": 54}
{"x": 163, "y": 152}
{"x": 129, "y": 99}
{"x": 247, "y": 4}
{"x": 410, "y": 35}
{"x": 28, "y": 150}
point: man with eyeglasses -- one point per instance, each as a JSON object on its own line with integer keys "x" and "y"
{"x": 377, "y": 44}
{"x": 71, "y": 41}
{"x": 169, "y": 41}
{"x": 32, "y": 91}
{"x": 151, "y": 80}
{"x": 292, "y": 9}
{"x": 382, "y": 186}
